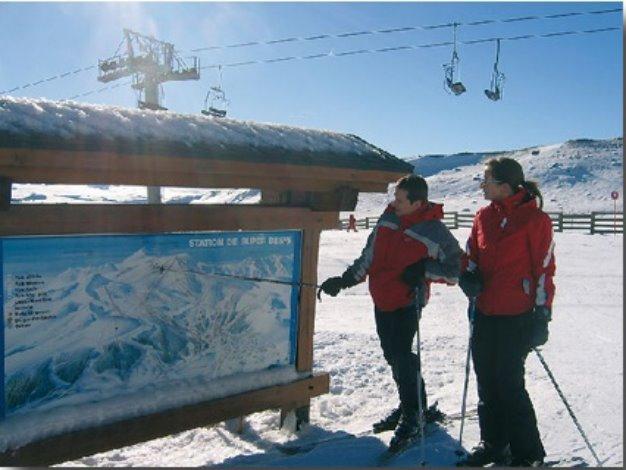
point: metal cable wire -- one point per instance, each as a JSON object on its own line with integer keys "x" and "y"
{"x": 409, "y": 47}
{"x": 340, "y": 36}
{"x": 38, "y": 82}
{"x": 99, "y": 90}
{"x": 373, "y": 51}
{"x": 404, "y": 29}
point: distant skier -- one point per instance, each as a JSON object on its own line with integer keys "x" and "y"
{"x": 509, "y": 274}
{"x": 352, "y": 223}
{"x": 408, "y": 248}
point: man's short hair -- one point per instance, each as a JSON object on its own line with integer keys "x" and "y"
{"x": 415, "y": 186}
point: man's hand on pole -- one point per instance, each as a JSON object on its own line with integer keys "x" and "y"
{"x": 471, "y": 283}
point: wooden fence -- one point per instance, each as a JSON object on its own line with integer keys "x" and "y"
{"x": 593, "y": 222}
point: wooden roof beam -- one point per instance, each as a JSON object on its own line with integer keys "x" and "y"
{"x": 69, "y": 167}
{"x": 59, "y": 219}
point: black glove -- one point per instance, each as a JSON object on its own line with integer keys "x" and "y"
{"x": 348, "y": 279}
{"x": 413, "y": 274}
{"x": 332, "y": 285}
{"x": 539, "y": 326}
{"x": 471, "y": 283}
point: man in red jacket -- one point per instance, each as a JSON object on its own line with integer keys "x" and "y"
{"x": 408, "y": 248}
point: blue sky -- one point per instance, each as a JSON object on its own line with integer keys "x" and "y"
{"x": 556, "y": 89}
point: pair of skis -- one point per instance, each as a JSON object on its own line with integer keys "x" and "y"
{"x": 430, "y": 428}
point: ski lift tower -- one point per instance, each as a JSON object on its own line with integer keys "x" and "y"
{"x": 150, "y": 62}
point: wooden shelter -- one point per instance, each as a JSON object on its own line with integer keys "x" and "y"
{"x": 305, "y": 177}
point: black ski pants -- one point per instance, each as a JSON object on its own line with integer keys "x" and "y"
{"x": 396, "y": 331}
{"x": 500, "y": 345}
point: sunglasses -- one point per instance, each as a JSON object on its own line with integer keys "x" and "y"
{"x": 490, "y": 181}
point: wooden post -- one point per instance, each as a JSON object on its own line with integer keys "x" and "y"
{"x": 5, "y": 193}
{"x": 560, "y": 222}
{"x": 306, "y": 318}
{"x": 367, "y": 223}
{"x": 292, "y": 420}
{"x": 456, "y": 220}
{"x": 235, "y": 425}
{"x": 593, "y": 223}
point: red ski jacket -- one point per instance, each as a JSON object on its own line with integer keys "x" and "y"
{"x": 512, "y": 246}
{"x": 397, "y": 242}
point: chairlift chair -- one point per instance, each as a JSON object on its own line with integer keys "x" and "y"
{"x": 452, "y": 81}
{"x": 493, "y": 95}
{"x": 214, "y": 112}
{"x": 455, "y": 87}
{"x": 497, "y": 79}
{"x": 215, "y": 103}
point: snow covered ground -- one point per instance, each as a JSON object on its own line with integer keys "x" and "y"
{"x": 584, "y": 353}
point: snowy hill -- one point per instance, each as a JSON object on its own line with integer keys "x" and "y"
{"x": 575, "y": 176}
{"x": 429, "y": 165}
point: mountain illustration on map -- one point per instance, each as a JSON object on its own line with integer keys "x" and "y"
{"x": 146, "y": 320}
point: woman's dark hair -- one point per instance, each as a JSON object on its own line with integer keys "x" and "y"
{"x": 509, "y": 171}
{"x": 415, "y": 186}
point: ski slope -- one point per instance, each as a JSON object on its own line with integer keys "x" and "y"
{"x": 584, "y": 353}
{"x": 576, "y": 176}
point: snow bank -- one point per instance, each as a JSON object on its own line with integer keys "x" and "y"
{"x": 26, "y": 120}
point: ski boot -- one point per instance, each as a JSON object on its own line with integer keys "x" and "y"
{"x": 388, "y": 423}
{"x": 405, "y": 433}
{"x": 433, "y": 414}
{"x": 484, "y": 454}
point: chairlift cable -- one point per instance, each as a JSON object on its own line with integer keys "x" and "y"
{"x": 336, "y": 36}
{"x": 408, "y": 47}
{"x": 373, "y": 51}
{"x": 495, "y": 65}
{"x": 403, "y": 29}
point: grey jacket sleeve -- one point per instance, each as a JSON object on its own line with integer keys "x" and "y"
{"x": 357, "y": 271}
{"x": 444, "y": 253}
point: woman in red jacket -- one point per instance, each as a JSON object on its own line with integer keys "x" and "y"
{"x": 508, "y": 278}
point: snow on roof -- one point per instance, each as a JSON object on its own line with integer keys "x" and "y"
{"x": 70, "y": 125}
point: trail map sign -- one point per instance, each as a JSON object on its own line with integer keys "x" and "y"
{"x": 93, "y": 318}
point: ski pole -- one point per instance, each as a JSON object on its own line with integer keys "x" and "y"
{"x": 569, "y": 409}
{"x": 471, "y": 310}
{"x": 420, "y": 406}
